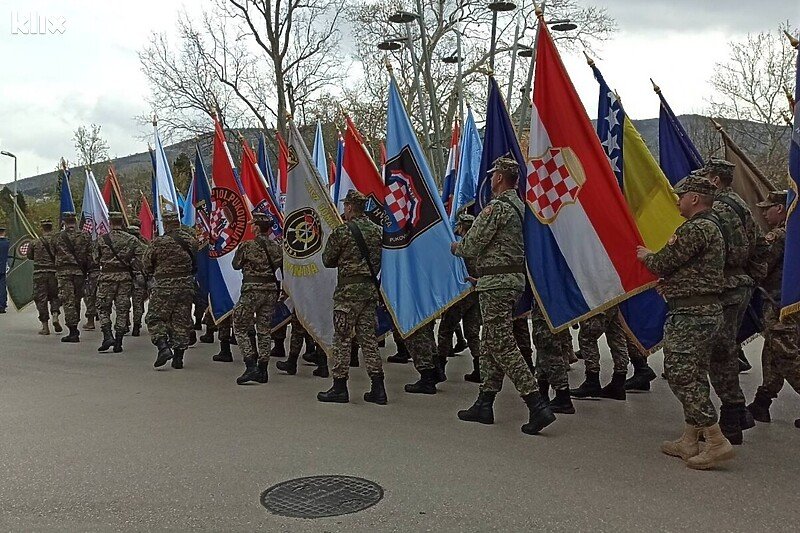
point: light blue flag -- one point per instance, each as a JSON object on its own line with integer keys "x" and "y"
{"x": 468, "y": 168}
{"x": 419, "y": 276}
{"x": 318, "y": 156}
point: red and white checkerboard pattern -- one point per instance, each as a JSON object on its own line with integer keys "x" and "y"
{"x": 399, "y": 203}
{"x": 219, "y": 226}
{"x": 550, "y": 184}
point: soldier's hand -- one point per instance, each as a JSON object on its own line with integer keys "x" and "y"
{"x": 642, "y": 252}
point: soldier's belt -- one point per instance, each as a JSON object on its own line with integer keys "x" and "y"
{"x": 503, "y": 269}
{"x": 258, "y": 279}
{"x": 692, "y": 301}
{"x": 352, "y": 280}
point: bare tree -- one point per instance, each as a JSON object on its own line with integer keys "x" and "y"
{"x": 750, "y": 88}
{"x": 90, "y": 147}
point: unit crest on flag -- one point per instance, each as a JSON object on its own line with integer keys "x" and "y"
{"x": 228, "y": 221}
{"x": 554, "y": 180}
{"x": 302, "y": 233}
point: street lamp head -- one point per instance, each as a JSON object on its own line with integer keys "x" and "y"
{"x": 403, "y": 17}
{"x": 389, "y": 46}
{"x": 9, "y": 154}
{"x": 451, "y": 60}
{"x": 526, "y": 52}
{"x": 564, "y": 26}
{"x": 502, "y": 6}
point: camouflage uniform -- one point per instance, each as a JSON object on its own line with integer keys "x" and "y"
{"x": 139, "y": 293}
{"x": 45, "y": 285}
{"x": 169, "y": 316}
{"x": 551, "y": 367}
{"x": 115, "y": 282}
{"x": 422, "y": 346}
{"x": 90, "y": 290}
{"x": 690, "y": 266}
{"x": 355, "y": 299}
{"x": 256, "y": 259}
{"x": 73, "y": 256}
{"x": 591, "y": 330}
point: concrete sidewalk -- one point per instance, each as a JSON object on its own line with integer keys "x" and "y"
{"x": 105, "y": 442}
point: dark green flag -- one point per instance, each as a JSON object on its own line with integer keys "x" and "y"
{"x": 19, "y": 279}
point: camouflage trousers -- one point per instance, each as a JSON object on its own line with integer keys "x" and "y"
{"x": 254, "y": 308}
{"x": 90, "y": 294}
{"x": 117, "y": 293}
{"x": 355, "y": 319}
{"x": 724, "y": 367}
{"x": 169, "y": 315}
{"x": 45, "y": 292}
{"x": 138, "y": 297}
{"x": 468, "y": 311}
{"x": 70, "y": 292}
{"x": 522, "y": 336}
{"x": 499, "y": 353}
{"x": 551, "y": 365}
{"x": 591, "y": 330}
{"x": 689, "y": 338}
{"x": 422, "y": 346}
{"x": 780, "y": 357}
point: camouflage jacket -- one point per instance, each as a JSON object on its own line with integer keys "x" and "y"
{"x": 255, "y": 259}
{"x": 776, "y": 241}
{"x": 76, "y": 259}
{"x": 495, "y": 241}
{"x": 342, "y": 252}
{"x": 744, "y": 243}
{"x": 123, "y": 265}
{"x": 42, "y": 252}
{"x": 692, "y": 261}
{"x": 167, "y": 261}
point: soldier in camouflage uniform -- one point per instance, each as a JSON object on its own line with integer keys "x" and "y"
{"x": 45, "y": 284}
{"x": 592, "y": 328}
{"x": 73, "y": 257}
{"x": 422, "y": 346}
{"x": 115, "y": 254}
{"x": 495, "y": 242}
{"x": 170, "y": 260}
{"x": 139, "y": 294}
{"x": 313, "y": 354}
{"x": 551, "y": 366}
{"x": 690, "y": 267}
{"x": 780, "y": 356}
{"x": 259, "y": 261}
{"x": 90, "y": 290}
{"x": 355, "y": 299}
{"x": 745, "y": 245}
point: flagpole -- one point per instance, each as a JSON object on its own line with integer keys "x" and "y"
{"x": 529, "y": 82}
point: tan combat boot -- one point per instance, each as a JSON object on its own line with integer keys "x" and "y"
{"x": 716, "y": 450}
{"x": 56, "y": 324}
{"x": 45, "y": 329}
{"x": 686, "y": 446}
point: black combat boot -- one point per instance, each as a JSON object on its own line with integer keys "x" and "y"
{"x": 118, "y": 342}
{"x": 544, "y": 389}
{"x": 337, "y": 393}
{"x": 108, "y": 339}
{"x": 562, "y": 403}
{"x": 475, "y": 375}
{"x": 208, "y": 336}
{"x": 315, "y": 358}
{"x": 540, "y": 414}
{"x": 481, "y": 411}
{"x": 746, "y": 420}
{"x": 760, "y": 406}
{"x": 729, "y": 423}
{"x": 192, "y": 337}
{"x": 377, "y": 393}
{"x": 642, "y": 375}
{"x": 402, "y": 355}
{"x": 137, "y": 330}
{"x": 441, "y": 375}
{"x": 278, "y": 351}
{"x": 289, "y": 366}
{"x": 615, "y": 389}
{"x": 224, "y": 355}
{"x": 177, "y": 358}
{"x": 263, "y": 372}
{"x": 426, "y": 384}
{"x": 590, "y": 388}
{"x": 198, "y": 322}
{"x": 73, "y": 336}
{"x": 251, "y": 372}
{"x": 353, "y": 354}
{"x": 461, "y": 343}
{"x": 164, "y": 353}
{"x": 321, "y": 371}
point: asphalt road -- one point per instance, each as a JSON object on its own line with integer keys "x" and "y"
{"x": 96, "y": 442}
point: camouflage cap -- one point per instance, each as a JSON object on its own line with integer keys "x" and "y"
{"x": 115, "y": 216}
{"x": 695, "y": 183}
{"x": 262, "y": 218}
{"x": 774, "y": 198}
{"x": 717, "y": 165}
{"x": 46, "y": 222}
{"x": 355, "y": 197}
{"x": 504, "y": 164}
{"x": 69, "y": 216}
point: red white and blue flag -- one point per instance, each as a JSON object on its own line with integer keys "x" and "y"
{"x": 449, "y": 182}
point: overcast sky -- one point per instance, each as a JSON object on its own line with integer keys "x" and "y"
{"x": 52, "y": 83}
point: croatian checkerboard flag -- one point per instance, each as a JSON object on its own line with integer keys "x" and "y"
{"x": 580, "y": 237}
{"x": 95, "y": 211}
{"x": 449, "y": 182}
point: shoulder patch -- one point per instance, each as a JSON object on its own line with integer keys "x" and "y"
{"x": 673, "y": 239}
{"x": 771, "y": 236}
{"x": 487, "y": 210}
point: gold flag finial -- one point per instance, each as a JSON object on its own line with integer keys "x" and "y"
{"x": 656, "y": 88}
{"x": 589, "y": 60}
{"x": 388, "y": 64}
{"x": 539, "y": 12}
{"x": 792, "y": 40}
{"x": 716, "y": 124}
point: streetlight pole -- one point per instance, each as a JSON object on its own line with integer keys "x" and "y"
{"x": 513, "y": 63}
{"x": 9, "y": 154}
{"x": 459, "y": 83}
{"x": 496, "y": 7}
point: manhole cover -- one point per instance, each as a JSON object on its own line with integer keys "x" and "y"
{"x": 319, "y": 496}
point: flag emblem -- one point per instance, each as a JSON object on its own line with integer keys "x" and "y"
{"x": 554, "y": 180}
{"x": 402, "y": 200}
{"x": 22, "y": 248}
{"x": 227, "y": 223}
{"x": 302, "y": 233}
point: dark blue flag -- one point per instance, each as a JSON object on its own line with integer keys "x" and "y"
{"x": 677, "y": 154}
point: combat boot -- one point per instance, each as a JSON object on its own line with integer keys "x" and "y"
{"x": 544, "y": 389}
{"x": 441, "y": 375}
{"x": 192, "y": 337}
{"x": 760, "y": 406}
{"x": 177, "y": 358}
{"x": 137, "y": 330}
{"x": 426, "y": 384}
{"x": 89, "y": 323}
{"x": 73, "y": 336}
{"x": 685, "y": 447}
{"x": 108, "y": 339}
{"x": 475, "y": 375}
{"x": 251, "y": 372}
{"x": 321, "y": 371}
{"x": 402, "y": 355}
{"x": 562, "y": 403}
{"x": 315, "y": 358}
{"x": 642, "y": 376}
{"x": 118, "y": 342}
{"x": 337, "y": 393}
{"x": 615, "y": 389}
{"x": 198, "y": 323}
{"x": 746, "y": 420}
{"x": 481, "y": 411}
{"x": 207, "y": 337}
{"x": 164, "y": 353}
{"x": 729, "y": 423}
{"x": 45, "y": 329}
{"x": 263, "y": 372}
{"x": 224, "y": 355}
{"x": 56, "y": 324}
{"x": 353, "y": 354}
{"x": 716, "y": 450}
{"x": 278, "y": 351}
{"x": 540, "y": 414}
{"x": 377, "y": 392}
{"x": 461, "y": 343}
{"x": 590, "y": 388}
{"x": 289, "y": 366}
